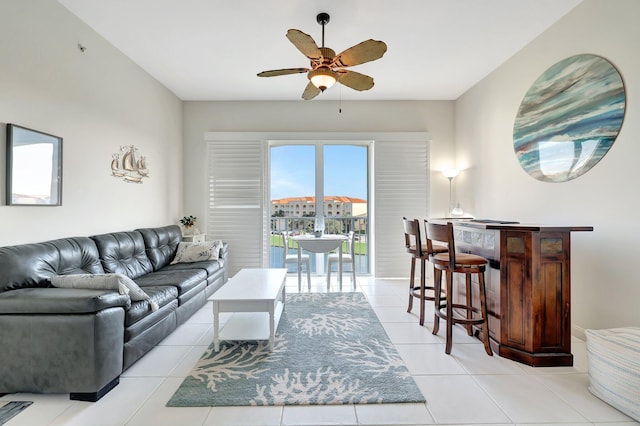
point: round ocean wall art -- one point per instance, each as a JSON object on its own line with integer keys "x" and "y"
{"x": 569, "y": 118}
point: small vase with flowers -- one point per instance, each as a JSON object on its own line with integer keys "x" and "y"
{"x": 188, "y": 225}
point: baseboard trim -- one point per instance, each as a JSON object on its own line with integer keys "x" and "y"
{"x": 578, "y": 332}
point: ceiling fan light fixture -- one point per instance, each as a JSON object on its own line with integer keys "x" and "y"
{"x": 323, "y": 78}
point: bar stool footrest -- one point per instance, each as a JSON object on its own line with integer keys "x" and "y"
{"x": 415, "y": 292}
{"x": 456, "y": 319}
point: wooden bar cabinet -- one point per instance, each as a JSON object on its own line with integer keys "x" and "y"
{"x": 528, "y": 287}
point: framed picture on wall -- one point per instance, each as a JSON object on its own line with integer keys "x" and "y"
{"x": 34, "y": 167}
{"x": 569, "y": 118}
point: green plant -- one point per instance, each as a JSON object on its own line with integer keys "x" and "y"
{"x": 188, "y": 221}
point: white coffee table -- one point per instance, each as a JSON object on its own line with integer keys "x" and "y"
{"x": 256, "y": 291}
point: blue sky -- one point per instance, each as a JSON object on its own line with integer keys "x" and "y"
{"x": 293, "y": 171}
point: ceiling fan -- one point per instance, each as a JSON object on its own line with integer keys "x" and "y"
{"x": 326, "y": 67}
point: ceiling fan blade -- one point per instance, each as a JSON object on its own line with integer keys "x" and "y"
{"x": 304, "y": 43}
{"x": 285, "y": 71}
{"x": 368, "y": 50}
{"x": 355, "y": 80}
{"x": 310, "y": 92}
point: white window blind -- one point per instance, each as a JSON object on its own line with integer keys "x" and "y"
{"x": 401, "y": 176}
{"x": 238, "y": 209}
{"x": 236, "y": 179}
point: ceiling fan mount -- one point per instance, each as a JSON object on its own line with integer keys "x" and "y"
{"x": 327, "y": 68}
{"x": 323, "y": 18}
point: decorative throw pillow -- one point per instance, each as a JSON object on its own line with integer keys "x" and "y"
{"x": 196, "y": 252}
{"x": 135, "y": 292}
{"x": 90, "y": 281}
{"x": 122, "y": 283}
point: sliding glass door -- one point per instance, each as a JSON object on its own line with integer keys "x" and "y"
{"x": 319, "y": 185}
{"x": 346, "y": 192}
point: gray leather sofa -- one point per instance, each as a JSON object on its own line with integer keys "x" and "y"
{"x": 79, "y": 341}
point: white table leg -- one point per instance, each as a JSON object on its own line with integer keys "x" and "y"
{"x": 328, "y": 276}
{"x": 284, "y": 296}
{"x": 216, "y": 326}
{"x": 272, "y": 323}
{"x": 299, "y": 267}
{"x": 353, "y": 272}
{"x": 340, "y": 265}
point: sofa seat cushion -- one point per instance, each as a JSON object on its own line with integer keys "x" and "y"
{"x": 210, "y": 266}
{"x": 162, "y": 295}
{"x": 60, "y": 301}
{"x": 184, "y": 280}
{"x": 185, "y": 297}
{"x": 148, "y": 323}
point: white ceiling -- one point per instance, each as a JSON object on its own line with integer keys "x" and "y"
{"x": 213, "y": 49}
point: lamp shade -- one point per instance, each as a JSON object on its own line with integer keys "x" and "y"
{"x": 323, "y": 78}
{"x": 457, "y": 210}
{"x": 450, "y": 173}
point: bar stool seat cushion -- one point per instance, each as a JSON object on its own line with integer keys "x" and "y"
{"x": 614, "y": 367}
{"x": 461, "y": 259}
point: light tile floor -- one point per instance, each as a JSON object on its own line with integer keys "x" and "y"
{"x": 464, "y": 388}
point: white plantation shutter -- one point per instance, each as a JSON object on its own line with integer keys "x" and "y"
{"x": 238, "y": 210}
{"x": 236, "y": 213}
{"x": 401, "y": 176}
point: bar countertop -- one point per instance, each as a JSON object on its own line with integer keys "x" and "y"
{"x": 509, "y": 225}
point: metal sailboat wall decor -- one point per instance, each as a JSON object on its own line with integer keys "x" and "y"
{"x": 129, "y": 165}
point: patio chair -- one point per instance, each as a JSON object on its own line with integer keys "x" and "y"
{"x": 293, "y": 258}
{"x": 347, "y": 258}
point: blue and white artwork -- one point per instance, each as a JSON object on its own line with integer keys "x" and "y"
{"x": 569, "y": 118}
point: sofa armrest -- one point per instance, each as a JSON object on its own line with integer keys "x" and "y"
{"x": 80, "y": 354}
{"x": 224, "y": 256}
{"x": 224, "y": 253}
{"x": 60, "y": 301}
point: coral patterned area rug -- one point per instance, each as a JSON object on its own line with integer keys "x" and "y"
{"x": 329, "y": 348}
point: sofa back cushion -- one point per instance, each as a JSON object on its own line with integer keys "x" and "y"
{"x": 123, "y": 253}
{"x": 31, "y": 265}
{"x": 161, "y": 244}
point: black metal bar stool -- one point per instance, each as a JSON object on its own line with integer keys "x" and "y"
{"x": 418, "y": 251}
{"x": 462, "y": 263}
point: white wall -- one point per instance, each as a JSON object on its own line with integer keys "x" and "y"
{"x": 99, "y": 100}
{"x": 96, "y": 101}
{"x": 605, "y": 285}
{"x": 435, "y": 117}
